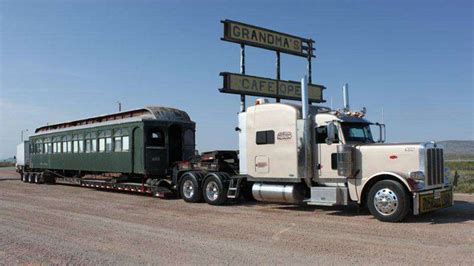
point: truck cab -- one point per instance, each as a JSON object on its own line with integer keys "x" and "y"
{"x": 276, "y": 144}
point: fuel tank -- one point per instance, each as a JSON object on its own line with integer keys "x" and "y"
{"x": 283, "y": 193}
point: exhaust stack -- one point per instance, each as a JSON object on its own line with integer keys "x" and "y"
{"x": 307, "y": 132}
{"x": 345, "y": 94}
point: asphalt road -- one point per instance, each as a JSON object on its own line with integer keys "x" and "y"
{"x": 66, "y": 224}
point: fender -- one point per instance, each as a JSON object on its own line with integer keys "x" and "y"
{"x": 363, "y": 189}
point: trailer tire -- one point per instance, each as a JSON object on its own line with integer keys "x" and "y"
{"x": 189, "y": 188}
{"x": 215, "y": 188}
{"x": 31, "y": 177}
{"x": 388, "y": 201}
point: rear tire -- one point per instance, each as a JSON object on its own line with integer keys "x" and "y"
{"x": 215, "y": 189}
{"x": 31, "y": 178}
{"x": 388, "y": 201}
{"x": 189, "y": 188}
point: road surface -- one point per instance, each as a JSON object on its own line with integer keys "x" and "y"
{"x": 61, "y": 224}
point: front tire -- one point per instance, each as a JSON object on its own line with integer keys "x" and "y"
{"x": 189, "y": 188}
{"x": 215, "y": 189}
{"x": 388, "y": 201}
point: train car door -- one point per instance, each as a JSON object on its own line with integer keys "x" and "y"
{"x": 175, "y": 147}
{"x": 155, "y": 151}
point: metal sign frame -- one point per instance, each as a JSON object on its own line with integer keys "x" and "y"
{"x": 306, "y": 45}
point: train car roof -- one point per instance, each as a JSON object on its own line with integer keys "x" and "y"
{"x": 150, "y": 112}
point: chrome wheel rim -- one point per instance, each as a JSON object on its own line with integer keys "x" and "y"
{"x": 386, "y": 201}
{"x": 188, "y": 189}
{"x": 212, "y": 190}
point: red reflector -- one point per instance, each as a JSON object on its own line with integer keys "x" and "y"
{"x": 393, "y": 157}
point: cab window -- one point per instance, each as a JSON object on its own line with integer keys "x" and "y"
{"x": 322, "y": 134}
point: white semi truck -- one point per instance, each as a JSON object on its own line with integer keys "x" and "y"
{"x": 317, "y": 156}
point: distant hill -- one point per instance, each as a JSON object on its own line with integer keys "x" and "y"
{"x": 8, "y": 160}
{"x": 458, "y": 149}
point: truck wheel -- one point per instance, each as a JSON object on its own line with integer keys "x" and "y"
{"x": 215, "y": 189}
{"x": 25, "y": 177}
{"x": 31, "y": 178}
{"x": 190, "y": 190}
{"x": 388, "y": 201}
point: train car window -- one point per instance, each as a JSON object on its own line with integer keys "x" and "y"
{"x": 94, "y": 145}
{"x": 75, "y": 146}
{"x": 117, "y": 143}
{"x": 69, "y": 146}
{"x": 118, "y": 140}
{"x": 156, "y": 138}
{"x": 108, "y": 144}
{"x": 125, "y": 143}
{"x": 101, "y": 144}
{"x": 88, "y": 145}
{"x": 55, "y": 147}
{"x": 81, "y": 146}
{"x": 88, "y": 142}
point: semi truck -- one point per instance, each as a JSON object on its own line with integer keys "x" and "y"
{"x": 288, "y": 153}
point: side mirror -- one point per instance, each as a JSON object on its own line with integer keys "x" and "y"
{"x": 382, "y": 132}
{"x": 331, "y": 129}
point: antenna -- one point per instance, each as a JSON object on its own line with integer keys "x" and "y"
{"x": 120, "y": 106}
{"x": 382, "y": 116}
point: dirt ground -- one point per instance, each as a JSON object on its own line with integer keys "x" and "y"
{"x": 66, "y": 224}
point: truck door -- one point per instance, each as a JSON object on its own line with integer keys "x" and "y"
{"x": 155, "y": 151}
{"x": 327, "y": 157}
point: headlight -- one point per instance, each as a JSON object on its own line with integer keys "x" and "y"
{"x": 417, "y": 176}
{"x": 418, "y": 180}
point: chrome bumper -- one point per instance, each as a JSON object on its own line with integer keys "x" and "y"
{"x": 433, "y": 199}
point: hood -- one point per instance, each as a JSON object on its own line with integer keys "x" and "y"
{"x": 399, "y": 158}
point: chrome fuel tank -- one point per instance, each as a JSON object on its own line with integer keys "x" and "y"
{"x": 287, "y": 193}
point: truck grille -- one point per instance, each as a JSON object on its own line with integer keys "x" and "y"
{"x": 434, "y": 166}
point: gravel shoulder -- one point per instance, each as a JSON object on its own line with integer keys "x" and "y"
{"x": 66, "y": 224}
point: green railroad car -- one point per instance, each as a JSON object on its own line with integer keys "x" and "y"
{"x": 138, "y": 143}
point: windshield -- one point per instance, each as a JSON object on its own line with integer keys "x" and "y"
{"x": 357, "y": 132}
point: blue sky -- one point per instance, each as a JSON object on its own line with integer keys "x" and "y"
{"x": 62, "y": 60}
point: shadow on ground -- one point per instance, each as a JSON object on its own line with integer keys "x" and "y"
{"x": 462, "y": 211}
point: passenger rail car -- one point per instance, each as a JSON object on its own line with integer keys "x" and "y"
{"x": 141, "y": 143}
